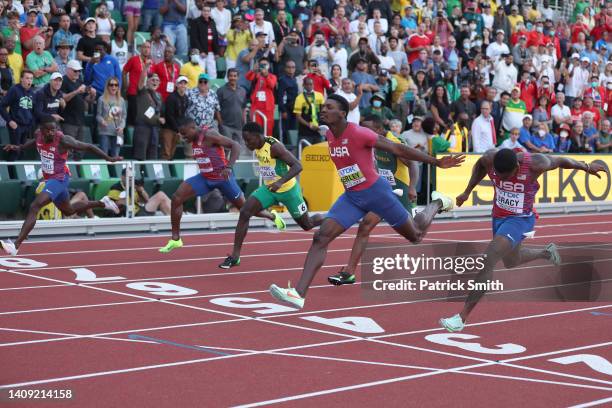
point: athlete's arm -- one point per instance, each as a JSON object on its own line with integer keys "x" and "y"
{"x": 541, "y": 163}
{"x": 28, "y": 144}
{"x": 217, "y": 139}
{"x": 408, "y": 153}
{"x": 479, "y": 171}
{"x": 70, "y": 142}
{"x": 279, "y": 152}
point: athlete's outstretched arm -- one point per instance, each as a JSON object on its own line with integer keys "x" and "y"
{"x": 543, "y": 163}
{"x": 279, "y": 152}
{"x": 71, "y": 143}
{"x": 28, "y": 144}
{"x": 408, "y": 153}
{"x": 227, "y": 143}
{"x": 413, "y": 174}
{"x": 479, "y": 171}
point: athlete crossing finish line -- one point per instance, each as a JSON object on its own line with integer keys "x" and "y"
{"x": 350, "y": 148}
{"x": 278, "y": 169}
{"x": 514, "y": 176}
{"x": 53, "y": 147}
{"x": 215, "y": 172}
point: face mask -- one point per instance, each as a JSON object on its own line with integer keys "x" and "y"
{"x": 551, "y": 33}
{"x": 593, "y": 84}
{"x": 539, "y": 29}
{"x": 302, "y": 4}
{"x": 541, "y": 133}
{"x": 477, "y": 43}
{"x": 609, "y": 86}
{"x": 466, "y": 46}
{"x": 472, "y": 27}
{"x": 195, "y": 59}
{"x": 317, "y": 19}
{"x": 564, "y": 135}
{"x": 377, "y": 104}
{"x": 529, "y": 26}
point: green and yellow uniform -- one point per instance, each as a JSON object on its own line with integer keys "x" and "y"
{"x": 271, "y": 170}
{"x": 393, "y": 170}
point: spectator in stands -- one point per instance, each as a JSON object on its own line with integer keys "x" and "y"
{"x": 563, "y": 143}
{"x": 316, "y": 73}
{"x": 48, "y": 101}
{"x": 87, "y": 43}
{"x": 132, "y": 72}
{"x": 63, "y": 56}
{"x": 119, "y": 47}
{"x": 203, "y": 35}
{"x": 246, "y": 61}
{"x": 29, "y": 31}
{"x": 41, "y": 63}
{"x": 174, "y": 109}
{"x": 513, "y": 141}
{"x": 289, "y": 49}
{"x": 232, "y": 104}
{"x": 307, "y": 109}
{"x": 514, "y": 112}
{"x": 148, "y": 118}
{"x": 347, "y": 91}
{"x": 416, "y": 137}
{"x": 168, "y": 72}
{"x": 175, "y": 29}
{"x": 192, "y": 69}
{"x": 378, "y": 108}
{"x": 222, "y": 18}
{"x": 101, "y": 68}
{"x": 111, "y": 117}
{"x": 16, "y": 110}
{"x": 77, "y": 96}
{"x": 262, "y": 26}
{"x": 287, "y": 93}
{"x": 483, "y": 130}
{"x": 15, "y": 61}
{"x": 63, "y": 36}
{"x": 132, "y": 11}
{"x": 542, "y": 139}
{"x": 105, "y": 25}
{"x": 262, "y": 95}
{"x": 78, "y": 14}
{"x": 12, "y": 32}
{"x": 6, "y": 73}
{"x": 203, "y": 105}
{"x": 363, "y": 79}
{"x": 150, "y": 15}
{"x": 143, "y": 204}
{"x": 604, "y": 141}
{"x": 238, "y": 38}
{"x": 158, "y": 45}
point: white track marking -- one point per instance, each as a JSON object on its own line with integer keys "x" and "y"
{"x": 592, "y": 403}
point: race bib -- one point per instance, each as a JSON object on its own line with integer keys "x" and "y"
{"x": 387, "y": 175}
{"x": 170, "y": 87}
{"x": 351, "y": 176}
{"x": 509, "y": 200}
{"x": 149, "y": 113}
{"x": 261, "y": 96}
{"x": 205, "y": 165}
{"x": 267, "y": 173}
{"x": 47, "y": 162}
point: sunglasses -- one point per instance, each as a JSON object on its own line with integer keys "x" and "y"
{"x": 113, "y": 85}
{"x": 203, "y": 81}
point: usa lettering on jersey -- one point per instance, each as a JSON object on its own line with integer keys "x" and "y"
{"x": 510, "y": 186}
{"x": 340, "y": 151}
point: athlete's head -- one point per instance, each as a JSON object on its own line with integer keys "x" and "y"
{"x": 334, "y": 110}
{"x": 373, "y": 122}
{"x": 48, "y": 129}
{"x": 505, "y": 163}
{"x": 187, "y": 129}
{"x": 253, "y": 135}
{"x": 429, "y": 125}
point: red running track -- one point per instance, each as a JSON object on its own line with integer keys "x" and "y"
{"x": 119, "y": 324}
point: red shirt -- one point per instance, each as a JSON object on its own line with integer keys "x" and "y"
{"x": 133, "y": 68}
{"x": 168, "y": 75}
{"x": 211, "y": 159}
{"x": 262, "y": 94}
{"x": 516, "y": 195}
{"x": 535, "y": 39}
{"x": 53, "y": 163}
{"x": 578, "y": 28}
{"x": 319, "y": 82}
{"x": 528, "y": 95}
{"x": 25, "y": 34}
{"x": 353, "y": 157}
{"x": 414, "y": 41}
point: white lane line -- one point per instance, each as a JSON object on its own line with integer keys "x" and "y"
{"x": 593, "y": 403}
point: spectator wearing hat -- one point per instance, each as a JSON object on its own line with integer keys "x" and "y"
{"x": 174, "y": 25}
{"x": 203, "y": 35}
{"x": 133, "y": 70}
{"x": 563, "y": 142}
{"x": 514, "y": 18}
{"x": 521, "y": 53}
{"x": 232, "y": 105}
{"x": 290, "y": 50}
{"x": 148, "y": 117}
{"x": 87, "y": 43}
{"x": 77, "y": 96}
{"x": 30, "y": 31}
{"x": 579, "y": 76}
{"x": 168, "y": 72}
{"x": 377, "y": 107}
{"x": 40, "y": 62}
{"x": 203, "y": 105}
{"x": 238, "y": 38}
{"x": 498, "y": 48}
{"x": 63, "y": 36}
{"x": 16, "y": 110}
{"x": 174, "y": 109}
{"x": 63, "y": 56}
{"x": 192, "y": 69}
{"x": 101, "y": 68}
{"x": 111, "y": 117}
{"x": 48, "y": 102}
{"x": 262, "y": 94}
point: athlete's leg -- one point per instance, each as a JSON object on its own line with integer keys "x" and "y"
{"x": 307, "y": 222}
{"x": 330, "y": 230}
{"x": 239, "y": 203}
{"x": 366, "y": 226}
{"x": 182, "y": 194}
{"x": 248, "y": 210}
{"x": 40, "y": 201}
{"x": 499, "y": 248}
{"x": 520, "y": 255}
{"x": 415, "y": 229}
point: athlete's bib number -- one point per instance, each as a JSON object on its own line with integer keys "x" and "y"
{"x": 267, "y": 173}
{"x": 388, "y": 175}
{"x": 261, "y": 96}
{"x": 205, "y": 165}
{"x": 351, "y": 176}
{"x": 510, "y": 201}
{"x": 47, "y": 162}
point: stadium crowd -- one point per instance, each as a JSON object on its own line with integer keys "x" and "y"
{"x": 510, "y": 73}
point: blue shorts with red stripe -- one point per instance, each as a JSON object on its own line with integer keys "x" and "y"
{"x": 202, "y": 186}
{"x": 514, "y": 228}
{"x": 57, "y": 189}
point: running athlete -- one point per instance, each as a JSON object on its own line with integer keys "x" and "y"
{"x": 53, "y": 147}
{"x": 215, "y": 172}
{"x": 397, "y": 172}
{"x": 514, "y": 176}
{"x": 350, "y": 148}
{"x": 278, "y": 169}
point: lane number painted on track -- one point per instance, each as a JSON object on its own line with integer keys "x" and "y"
{"x": 453, "y": 340}
{"x": 21, "y": 263}
{"x": 87, "y": 275}
{"x": 356, "y": 324}
{"x": 162, "y": 289}
{"x": 251, "y": 303}
{"x": 595, "y": 362}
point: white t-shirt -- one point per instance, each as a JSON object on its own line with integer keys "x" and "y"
{"x": 563, "y": 113}
{"x": 387, "y": 62}
{"x": 105, "y": 26}
{"x": 265, "y": 28}
{"x": 354, "y": 115}
{"x": 340, "y": 57}
{"x": 223, "y": 20}
{"x": 121, "y": 53}
{"x": 508, "y": 144}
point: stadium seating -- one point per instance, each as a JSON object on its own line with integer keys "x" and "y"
{"x": 162, "y": 177}
{"x": 100, "y": 178}
{"x": 11, "y": 193}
